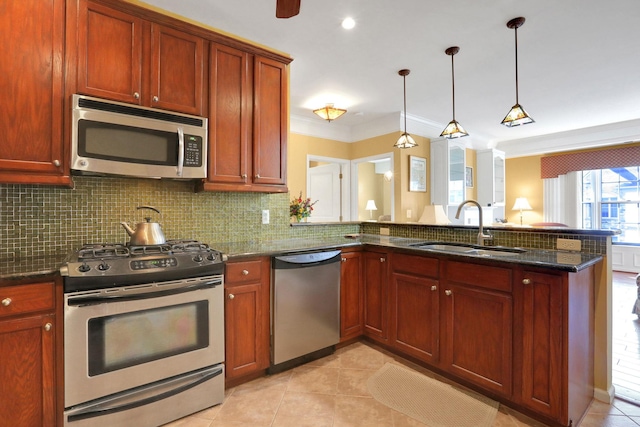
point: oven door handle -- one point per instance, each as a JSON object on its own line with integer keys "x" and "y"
{"x": 104, "y": 299}
{"x": 127, "y": 402}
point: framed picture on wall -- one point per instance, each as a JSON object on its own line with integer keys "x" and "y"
{"x": 417, "y": 173}
{"x": 468, "y": 176}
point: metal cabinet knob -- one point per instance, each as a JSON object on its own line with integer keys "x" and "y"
{"x": 244, "y": 176}
{"x": 136, "y": 95}
{"x": 383, "y": 259}
{"x": 448, "y": 292}
{"x": 434, "y": 288}
{"x": 245, "y": 272}
{"x": 258, "y": 176}
{"x": 156, "y": 99}
{"x": 48, "y": 327}
{"x": 6, "y": 302}
{"x": 526, "y": 281}
{"x": 56, "y": 163}
{"x": 231, "y": 296}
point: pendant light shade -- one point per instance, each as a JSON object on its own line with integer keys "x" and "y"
{"x": 517, "y": 115}
{"x": 405, "y": 140}
{"x": 453, "y": 129}
{"x": 329, "y": 112}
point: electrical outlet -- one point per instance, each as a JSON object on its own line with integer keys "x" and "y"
{"x": 384, "y": 231}
{"x": 265, "y": 216}
{"x": 568, "y": 245}
{"x": 408, "y": 213}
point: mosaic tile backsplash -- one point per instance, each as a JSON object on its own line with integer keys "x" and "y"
{"x": 38, "y": 221}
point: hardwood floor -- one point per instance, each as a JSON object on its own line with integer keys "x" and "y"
{"x": 626, "y": 338}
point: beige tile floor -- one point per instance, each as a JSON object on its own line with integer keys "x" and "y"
{"x": 331, "y": 392}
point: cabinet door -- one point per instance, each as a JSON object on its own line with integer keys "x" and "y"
{"x": 542, "y": 343}
{"x": 229, "y": 115}
{"x": 270, "y": 123}
{"x": 375, "y": 295}
{"x": 351, "y": 312}
{"x": 31, "y": 149}
{"x": 176, "y": 70}
{"x": 109, "y": 53}
{"x": 478, "y": 334}
{"x": 414, "y": 326}
{"x": 27, "y": 382}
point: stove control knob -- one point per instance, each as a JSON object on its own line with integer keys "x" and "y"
{"x": 198, "y": 258}
{"x": 211, "y": 257}
{"x": 103, "y": 266}
{"x": 84, "y": 268}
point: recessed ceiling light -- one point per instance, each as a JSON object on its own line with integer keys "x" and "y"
{"x": 348, "y": 23}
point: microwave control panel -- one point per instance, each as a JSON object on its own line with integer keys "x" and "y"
{"x": 192, "y": 150}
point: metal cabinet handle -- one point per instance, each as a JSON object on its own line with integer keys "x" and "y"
{"x": 56, "y": 163}
{"x": 231, "y": 296}
{"x": 526, "y": 281}
{"x": 136, "y": 95}
{"x": 434, "y": 288}
{"x": 245, "y": 272}
{"x": 6, "y": 302}
{"x": 448, "y": 292}
{"x": 48, "y": 327}
{"x": 156, "y": 99}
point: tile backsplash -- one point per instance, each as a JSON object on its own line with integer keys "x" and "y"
{"x": 37, "y": 221}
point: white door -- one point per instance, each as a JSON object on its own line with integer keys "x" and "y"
{"x": 324, "y": 186}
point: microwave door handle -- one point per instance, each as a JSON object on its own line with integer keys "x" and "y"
{"x": 180, "y": 151}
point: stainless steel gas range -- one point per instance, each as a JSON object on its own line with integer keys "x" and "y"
{"x": 144, "y": 333}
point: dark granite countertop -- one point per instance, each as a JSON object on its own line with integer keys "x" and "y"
{"x": 557, "y": 260}
{"x": 13, "y": 271}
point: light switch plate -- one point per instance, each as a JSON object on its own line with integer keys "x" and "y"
{"x": 265, "y": 216}
{"x": 568, "y": 245}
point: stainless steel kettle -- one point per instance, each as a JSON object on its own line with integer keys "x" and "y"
{"x": 146, "y": 233}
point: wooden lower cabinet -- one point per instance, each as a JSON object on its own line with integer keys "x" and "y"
{"x": 246, "y": 316}
{"x": 556, "y": 339}
{"x": 414, "y": 325}
{"x": 28, "y": 348}
{"x": 351, "y": 312}
{"x": 376, "y": 294}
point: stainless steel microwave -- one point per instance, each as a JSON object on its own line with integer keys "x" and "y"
{"x": 113, "y": 138}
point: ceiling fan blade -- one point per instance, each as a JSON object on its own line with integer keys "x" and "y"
{"x": 287, "y": 8}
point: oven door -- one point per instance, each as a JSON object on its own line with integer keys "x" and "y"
{"x": 120, "y": 338}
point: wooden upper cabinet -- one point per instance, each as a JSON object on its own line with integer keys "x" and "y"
{"x": 125, "y": 58}
{"x": 270, "y": 120}
{"x": 248, "y": 110}
{"x": 31, "y": 64}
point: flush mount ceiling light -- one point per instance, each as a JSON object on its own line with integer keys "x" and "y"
{"x": 405, "y": 140}
{"x": 516, "y": 116}
{"x": 453, "y": 129}
{"x": 329, "y": 112}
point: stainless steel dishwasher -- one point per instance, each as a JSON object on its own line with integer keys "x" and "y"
{"x": 305, "y": 306}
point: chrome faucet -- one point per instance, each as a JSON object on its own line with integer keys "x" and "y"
{"x": 481, "y": 236}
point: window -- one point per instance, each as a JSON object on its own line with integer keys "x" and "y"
{"x": 611, "y": 200}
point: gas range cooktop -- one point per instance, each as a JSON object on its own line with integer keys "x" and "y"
{"x": 102, "y": 265}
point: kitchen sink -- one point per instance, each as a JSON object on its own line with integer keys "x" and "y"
{"x": 469, "y": 249}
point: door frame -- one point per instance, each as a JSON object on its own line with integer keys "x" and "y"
{"x": 345, "y": 182}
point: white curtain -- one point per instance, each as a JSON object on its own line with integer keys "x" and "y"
{"x": 562, "y": 199}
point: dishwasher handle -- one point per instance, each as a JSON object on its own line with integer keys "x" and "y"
{"x": 307, "y": 259}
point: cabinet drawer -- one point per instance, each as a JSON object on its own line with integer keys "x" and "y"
{"x": 484, "y": 276}
{"x": 242, "y": 272}
{"x": 415, "y": 264}
{"x": 26, "y": 298}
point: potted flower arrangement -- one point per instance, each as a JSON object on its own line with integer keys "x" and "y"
{"x": 300, "y": 208}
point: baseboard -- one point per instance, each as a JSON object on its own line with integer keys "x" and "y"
{"x": 605, "y": 396}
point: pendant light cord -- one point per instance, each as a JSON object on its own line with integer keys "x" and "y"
{"x": 453, "y": 89}
{"x": 404, "y": 83}
{"x": 516, "y": 31}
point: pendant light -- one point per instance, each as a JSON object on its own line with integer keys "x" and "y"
{"x": 453, "y": 129}
{"x": 516, "y": 116}
{"x": 405, "y": 140}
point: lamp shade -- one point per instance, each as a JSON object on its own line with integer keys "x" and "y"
{"x": 453, "y": 130}
{"x": 371, "y": 205}
{"x": 405, "y": 141}
{"x": 329, "y": 112}
{"x": 434, "y": 214}
{"x": 516, "y": 117}
{"x": 522, "y": 204}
